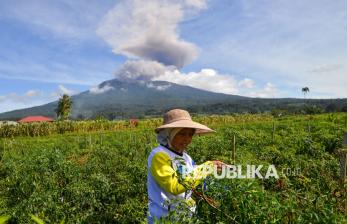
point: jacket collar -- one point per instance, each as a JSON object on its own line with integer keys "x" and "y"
{"x": 167, "y": 147}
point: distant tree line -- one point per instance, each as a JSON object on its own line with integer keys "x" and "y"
{"x": 65, "y": 109}
{"x": 275, "y": 107}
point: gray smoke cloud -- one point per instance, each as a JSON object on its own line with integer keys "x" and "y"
{"x": 165, "y": 51}
{"x": 148, "y": 30}
{"x": 147, "y": 33}
{"x": 141, "y": 70}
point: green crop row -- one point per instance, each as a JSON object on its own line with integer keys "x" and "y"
{"x": 99, "y": 175}
{"x": 61, "y": 127}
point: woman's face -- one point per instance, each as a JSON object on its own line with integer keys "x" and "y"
{"x": 182, "y": 139}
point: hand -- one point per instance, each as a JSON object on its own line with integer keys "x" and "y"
{"x": 218, "y": 164}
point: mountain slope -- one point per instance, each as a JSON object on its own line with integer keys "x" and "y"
{"x": 132, "y": 98}
{"x": 116, "y": 100}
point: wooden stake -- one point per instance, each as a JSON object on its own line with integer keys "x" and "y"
{"x": 273, "y": 132}
{"x": 234, "y": 150}
{"x": 343, "y": 160}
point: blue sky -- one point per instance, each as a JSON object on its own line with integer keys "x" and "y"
{"x": 258, "y": 48}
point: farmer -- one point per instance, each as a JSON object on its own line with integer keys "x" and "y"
{"x": 169, "y": 160}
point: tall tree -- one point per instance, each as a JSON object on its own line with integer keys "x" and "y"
{"x": 64, "y": 107}
{"x": 305, "y": 90}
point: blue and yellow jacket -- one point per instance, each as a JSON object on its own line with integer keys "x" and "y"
{"x": 163, "y": 182}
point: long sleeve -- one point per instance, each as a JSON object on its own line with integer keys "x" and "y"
{"x": 200, "y": 172}
{"x": 166, "y": 176}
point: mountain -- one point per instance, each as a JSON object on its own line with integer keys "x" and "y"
{"x": 131, "y": 98}
{"x": 116, "y": 99}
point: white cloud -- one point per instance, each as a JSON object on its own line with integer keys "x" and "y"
{"x": 32, "y": 93}
{"x": 99, "y": 90}
{"x": 269, "y": 91}
{"x": 206, "y": 79}
{"x": 13, "y": 101}
{"x": 65, "y": 90}
{"x": 30, "y": 98}
{"x": 23, "y": 98}
{"x": 246, "y": 83}
{"x": 61, "y": 91}
{"x": 158, "y": 87}
{"x": 149, "y": 31}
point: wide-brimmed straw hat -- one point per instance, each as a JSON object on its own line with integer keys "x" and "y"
{"x": 178, "y": 118}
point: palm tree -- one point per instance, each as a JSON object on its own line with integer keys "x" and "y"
{"x": 305, "y": 90}
{"x": 64, "y": 107}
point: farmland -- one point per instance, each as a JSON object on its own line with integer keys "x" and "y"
{"x": 95, "y": 171}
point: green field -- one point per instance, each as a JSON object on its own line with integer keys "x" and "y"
{"x": 95, "y": 171}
